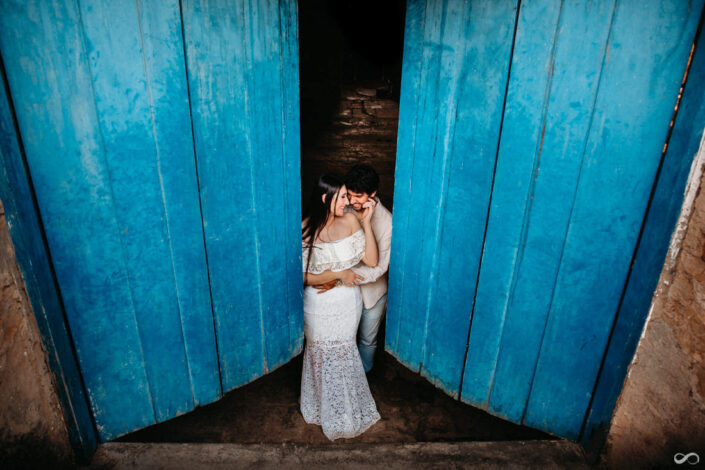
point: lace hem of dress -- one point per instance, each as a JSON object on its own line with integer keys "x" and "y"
{"x": 334, "y": 389}
{"x": 333, "y": 436}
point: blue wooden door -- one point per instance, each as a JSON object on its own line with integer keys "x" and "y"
{"x": 530, "y": 135}
{"x": 162, "y": 142}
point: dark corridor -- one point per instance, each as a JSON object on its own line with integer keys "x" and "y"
{"x": 350, "y": 76}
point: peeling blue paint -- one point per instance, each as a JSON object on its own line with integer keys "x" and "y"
{"x": 589, "y": 98}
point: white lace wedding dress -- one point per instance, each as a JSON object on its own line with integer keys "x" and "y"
{"x": 334, "y": 389}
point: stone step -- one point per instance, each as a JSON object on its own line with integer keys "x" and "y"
{"x": 544, "y": 454}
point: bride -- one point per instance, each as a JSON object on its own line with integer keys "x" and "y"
{"x": 334, "y": 389}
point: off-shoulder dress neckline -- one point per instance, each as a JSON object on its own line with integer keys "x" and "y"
{"x": 340, "y": 239}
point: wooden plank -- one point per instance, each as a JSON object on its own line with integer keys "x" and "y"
{"x": 520, "y": 141}
{"x": 420, "y": 231}
{"x": 435, "y": 131}
{"x": 235, "y": 80}
{"x": 648, "y": 50}
{"x": 553, "y": 180}
{"x": 57, "y": 116}
{"x": 467, "y": 128}
{"x": 264, "y": 84}
{"x": 215, "y": 52}
{"x": 161, "y": 40}
{"x": 660, "y": 222}
{"x": 114, "y": 49}
{"x": 291, "y": 141}
{"x": 33, "y": 260}
{"x": 406, "y": 138}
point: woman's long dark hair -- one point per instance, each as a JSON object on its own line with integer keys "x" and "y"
{"x": 316, "y": 213}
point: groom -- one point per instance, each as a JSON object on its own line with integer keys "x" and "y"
{"x": 362, "y": 183}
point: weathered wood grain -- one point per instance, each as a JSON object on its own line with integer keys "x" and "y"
{"x": 449, "y": 125}
{"x": 33, "y": 260}
{"x": 556, "y": 154}
{"x": 163, "y": 52}
{"x": 406, "y": 138}
{"x": 590, "y": 95}
{"x": 121, "y": 87}
{"x": 103, "y": 97}
{"x": 51, "y": 84}
{"x": 649, "y": 258}
{"x": 291, "y": 163}
{"x": 469, "y": 140}
{"x": 648, "y": 49}
{"x": 246, "y": 161}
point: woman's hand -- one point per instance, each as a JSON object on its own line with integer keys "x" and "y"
{"x": 371, "y": 257}
{"x": 349, "y": 278}
{"x": 368, "y": 211}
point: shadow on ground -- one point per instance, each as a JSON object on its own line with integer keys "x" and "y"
{"x": 267, "y": 411}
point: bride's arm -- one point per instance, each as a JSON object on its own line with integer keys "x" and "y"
{"x": 371, "y": 257}
{"x": 311, "y": 279}
{"x": 346, "y": 275}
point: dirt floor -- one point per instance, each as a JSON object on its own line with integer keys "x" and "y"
{"x": 267, "y": 411}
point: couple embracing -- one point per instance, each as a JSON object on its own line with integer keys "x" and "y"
{"x": 346, "y": 235}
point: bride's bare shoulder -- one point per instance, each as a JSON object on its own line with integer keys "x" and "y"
{"x": 349, "y": 217}
{"x": 351, "y": 221}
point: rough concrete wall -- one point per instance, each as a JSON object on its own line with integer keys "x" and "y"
{"x": 32, "y": 427}
{"x": 362, "y": 130}
{"x": 661, "y": 410}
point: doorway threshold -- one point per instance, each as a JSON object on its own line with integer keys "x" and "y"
{"x": 545, "y": 454}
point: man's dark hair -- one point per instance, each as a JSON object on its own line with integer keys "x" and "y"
{"x": 362, "y": 179}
